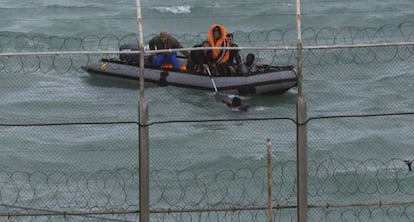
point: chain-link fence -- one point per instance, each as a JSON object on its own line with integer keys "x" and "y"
{"x": 70, "y": 140}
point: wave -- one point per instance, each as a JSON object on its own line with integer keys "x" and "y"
{"x": 51, "y": 6}
{"x": 57, "y": 6}
{"x": 183, "y": 9}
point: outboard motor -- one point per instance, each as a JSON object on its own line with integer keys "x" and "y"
{"x": 130, "y": 59}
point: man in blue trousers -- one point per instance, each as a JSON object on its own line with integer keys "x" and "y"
{"x": 165, "y": 41}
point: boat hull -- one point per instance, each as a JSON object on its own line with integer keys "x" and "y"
{"x": 276, "y": 80}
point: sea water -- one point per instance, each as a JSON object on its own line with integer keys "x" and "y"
{"x": 53, "y": 90}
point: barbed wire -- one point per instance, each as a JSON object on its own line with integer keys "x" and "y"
{"x": 361, "y": 213}
{"x": 315, "y": 57}
{"x": 207, "y": 191}
{"x": 204, "y": 188}
{"x": 403, "y": 32}
{"x": 372, "y": 53}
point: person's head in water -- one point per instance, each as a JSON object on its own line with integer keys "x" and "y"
{"x": 236, "y": 101}
{"x": 250, "y": 59}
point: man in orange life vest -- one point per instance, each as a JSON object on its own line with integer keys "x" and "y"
{"x": 219, "y": 57}
{"x": 165, "y": 41}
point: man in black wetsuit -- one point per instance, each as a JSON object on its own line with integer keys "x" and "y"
{"x": 234, "y": 59}
{"x": 199, "y": 57}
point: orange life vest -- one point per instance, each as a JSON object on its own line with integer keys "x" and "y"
{"x": 220, "y": 55}
{"x": 170, "y": 66}
{"x": 167, "y": 66}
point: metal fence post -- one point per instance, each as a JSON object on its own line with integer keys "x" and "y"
{"x": 143, "y": 163}
{"x": 301, "y": 129}
{"x": 269, "y": 180}
{"x": 143, "y": 153}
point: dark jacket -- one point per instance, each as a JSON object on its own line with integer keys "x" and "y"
{"x": 172, "y": 43}
{"x": 156, "y": 43}
{"x": 234, "y": 55}
{"x": 199, "y": 57}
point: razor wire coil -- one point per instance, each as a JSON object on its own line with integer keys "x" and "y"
{"x": 403, "y": 32}
{"x": 185, "y": 189}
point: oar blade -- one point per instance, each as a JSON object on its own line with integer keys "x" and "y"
{"x": 235, "y": 103}
{"x": 223, "y": 98}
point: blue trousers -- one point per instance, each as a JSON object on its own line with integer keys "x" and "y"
{"x": 161, "y": 59}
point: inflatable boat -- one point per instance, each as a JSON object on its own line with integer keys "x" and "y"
{"x": 268, "y": 80}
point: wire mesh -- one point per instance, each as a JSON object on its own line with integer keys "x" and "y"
{"x": 73, "y": 144}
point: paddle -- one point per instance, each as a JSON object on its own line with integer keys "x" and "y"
{"x": 234, "y": 103}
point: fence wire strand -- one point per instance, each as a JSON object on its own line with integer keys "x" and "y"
{"x": 216, "y": 193}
